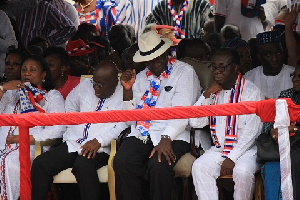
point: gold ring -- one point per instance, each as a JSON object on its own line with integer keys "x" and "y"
{"x": 18, "y": 85}
{"x": 295, "y": 129}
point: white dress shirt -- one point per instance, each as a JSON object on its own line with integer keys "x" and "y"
{"x": 83, "y": 99}
{"x": 185, "y": 91}
{"x": 53, "y": 102}
{"x": 249, "y": 126}
{"x": 271, "y": 86}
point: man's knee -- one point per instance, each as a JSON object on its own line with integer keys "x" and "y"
{"x": 38, "y": 162}
{"x": 82, "y": 164}
{"x": 155, "y": 166}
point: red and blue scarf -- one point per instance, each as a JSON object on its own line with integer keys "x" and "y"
{"x": 30, "y": 97}
{"x": 149, "y": 98}
{"x": 231, "y": 121}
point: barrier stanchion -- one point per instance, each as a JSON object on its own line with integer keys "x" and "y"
{"x": 24, "y": 157}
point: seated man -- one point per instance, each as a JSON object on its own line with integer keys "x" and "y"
{"x": 272, "y": 76}
{"x": 234, "y": 152}
{"x": 165, "y": 82}
{"x": 85, "y": 146}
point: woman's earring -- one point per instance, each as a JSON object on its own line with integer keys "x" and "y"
{"x": 43, "y": 80}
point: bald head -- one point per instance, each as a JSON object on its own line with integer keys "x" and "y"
{"x": 105, "y": 79}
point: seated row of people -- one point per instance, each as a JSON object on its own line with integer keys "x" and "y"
{"x": 152, "y": 145}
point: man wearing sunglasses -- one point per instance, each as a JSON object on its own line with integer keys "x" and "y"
{"x": 233, "y": 152}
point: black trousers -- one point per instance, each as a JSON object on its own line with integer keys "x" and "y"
{"x": 131, "y": 163}
{"x": 295, "y": 164}
{"x": 50, "y": 163}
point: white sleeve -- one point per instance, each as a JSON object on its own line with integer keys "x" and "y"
{"x": 54, "y": 104}
{"x": 7, "y": 34}
{"x": 220, "y": 7}
{"x": 202, "y": 121}
{"x": 185, "y": 95}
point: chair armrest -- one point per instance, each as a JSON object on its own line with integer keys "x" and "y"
{"x": 40, "y": 144}
{"x": 194, "y": 150}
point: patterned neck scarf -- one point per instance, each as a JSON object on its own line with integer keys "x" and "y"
{"x": 231, "y": 121}
{"x": 177, "y": 17}
{"x": 149, "y": 99}
{"x": 30, "y": 97}
{"x": 88, "y": 125}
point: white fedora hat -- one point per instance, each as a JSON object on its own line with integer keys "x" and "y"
{"x": 151, "y": 46}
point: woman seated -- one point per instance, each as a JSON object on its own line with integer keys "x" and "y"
{"x": 33, "y": 93}
{"x": 59, "y": 64}
{"x": 271, "y": 170}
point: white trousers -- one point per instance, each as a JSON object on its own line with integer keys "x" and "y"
{"x": 206, "y": 170}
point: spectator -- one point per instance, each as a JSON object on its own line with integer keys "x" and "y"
{"x": 164, "y": 141}
{"x": 187, "y": 23}
{"x": 34, "y": 73}
{"x": 43, "y": 20}
{"x": 208, "y": 28}
{"x": 235, "y": 12}
{"x": 85, "y": 154}
{"x": 272, "y": 187}
{"x": 243, "y": 49}
{"x": 233, "y": 153}
{"x": 230, "y": 31}
{"x": 13, "y": 62}
{"x": 272, "y": 76}
{"x": 79, "y": 54}
{"x": 58, "y": 61}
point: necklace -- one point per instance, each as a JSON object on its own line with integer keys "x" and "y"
{"x": 87, "y": 5}
{"x": 177, "y": 17}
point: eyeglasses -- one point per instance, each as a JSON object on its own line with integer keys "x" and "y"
{"x": 212, "y": 67}
{"x": 96, "y": 84}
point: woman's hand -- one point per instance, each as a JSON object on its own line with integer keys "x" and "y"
{"x": 13, "y": 85}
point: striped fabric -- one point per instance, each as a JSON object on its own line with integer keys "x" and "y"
{"x": 197, "y": 13}
{"x": 134, "y": 12}
{"x": 45, "y": 21}
{"x": 103, "y": 17}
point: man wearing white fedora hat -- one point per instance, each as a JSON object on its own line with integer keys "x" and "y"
{"x": 158, "y": 144}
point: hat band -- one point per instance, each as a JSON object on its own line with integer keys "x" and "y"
{"x": 146, "y": 53}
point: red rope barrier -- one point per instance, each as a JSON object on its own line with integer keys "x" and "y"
{"x": 265, "y": 109}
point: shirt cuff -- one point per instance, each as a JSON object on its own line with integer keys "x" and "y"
{"x": 234, "y": 155}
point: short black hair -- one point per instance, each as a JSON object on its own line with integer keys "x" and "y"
{"x": 60, "y": 52}
{"x": 20, "y": 52}
{"x": 47, "y": 85}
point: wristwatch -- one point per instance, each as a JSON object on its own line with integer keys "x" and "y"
{"x": 165, "y": 136}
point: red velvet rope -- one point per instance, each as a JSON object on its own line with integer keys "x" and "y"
{"x": 265, "y": 109}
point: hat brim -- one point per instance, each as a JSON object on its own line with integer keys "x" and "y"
{"x": 81, "y": 52}
{"x": 139, "y": 58}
